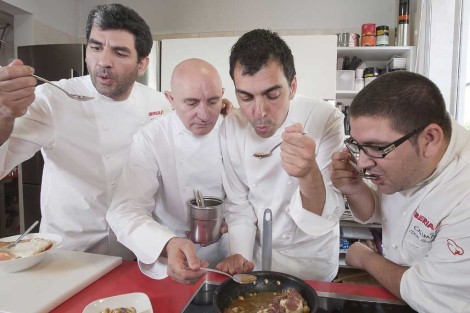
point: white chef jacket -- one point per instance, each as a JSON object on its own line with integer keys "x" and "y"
{"x": 166, "y": 162}
{"x": 85, "y": 146}
{"x": 305, "y": 244}
{"x": 428, "y": 229}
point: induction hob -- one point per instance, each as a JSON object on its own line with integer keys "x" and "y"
{"x": 201, "y": 302}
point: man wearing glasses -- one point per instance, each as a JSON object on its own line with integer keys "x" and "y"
{"x": 406, "y": 165}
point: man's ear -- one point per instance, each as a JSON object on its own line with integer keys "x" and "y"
{"x": 169, "y": 97}
{"x": 142, "y": 66}
{"x": 431, "y": 140}
{"x": 293, "y": 88}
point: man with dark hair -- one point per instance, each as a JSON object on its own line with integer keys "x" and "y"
{"x": 85, "y": 144}
{"x": 418, "y": 160}
{"x": 293, "y": 182}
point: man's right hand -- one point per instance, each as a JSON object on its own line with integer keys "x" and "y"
{"x": 342, "y": 175}
{"x": 16, "y": 89}
{"x": 181, "y": 254}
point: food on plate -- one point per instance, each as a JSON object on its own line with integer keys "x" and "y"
{"x": 287, "y": 301}
{"x": 25, "y": 248}
{"x": 120, "y": 310}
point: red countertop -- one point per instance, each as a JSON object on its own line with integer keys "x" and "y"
{"x": 169, "y": 296}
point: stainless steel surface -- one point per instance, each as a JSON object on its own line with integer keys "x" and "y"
{"x": 239, "y": 278}
{"x": 266, "y": 252}
{"x": 206, "y": 221}
{"x": 403, "y": 35}
{"x": 11, "y": 245}
{"x": 71, "y": 95}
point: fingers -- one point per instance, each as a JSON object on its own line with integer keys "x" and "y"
{"x": 297, "y": 152}
{"x": 16, "y": 89}
{"x": 227, "y": 107}
{"x": 224, "y": 228}
{"x": 235, "y": 264}
{"x": 181, "y": 255}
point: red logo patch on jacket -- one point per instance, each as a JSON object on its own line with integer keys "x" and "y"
{"x": 424, "y": 220}
{"x": 153, "y": 113}
{"x": 454, "y": 247}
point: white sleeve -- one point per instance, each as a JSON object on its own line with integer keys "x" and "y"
{"x": 130, "y": 214}
{"x": 331, "y": 141}
{"x": 239, "y": 213}
{"x": 31, "y": 132}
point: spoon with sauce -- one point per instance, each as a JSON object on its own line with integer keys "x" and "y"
{"x": 263, "y": 155}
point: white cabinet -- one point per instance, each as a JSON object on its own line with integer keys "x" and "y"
{"x": 314, "y": 57}
{"x": 374, "y": 56}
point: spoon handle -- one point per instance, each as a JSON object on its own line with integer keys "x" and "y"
{"x": 22, "y": 235}
{"x": 209, "y": 270}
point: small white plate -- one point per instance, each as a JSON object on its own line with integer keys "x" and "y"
{"x": 140, "y": 301}
{"x": 21, "y": 264}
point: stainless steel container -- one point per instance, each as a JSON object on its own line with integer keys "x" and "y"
{"x": 206, "y": 221}
{"x": 347, "y": 39}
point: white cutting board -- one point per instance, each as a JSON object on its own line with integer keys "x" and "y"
{"x": 59, "y": 276}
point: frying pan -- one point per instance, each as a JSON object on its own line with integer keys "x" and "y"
{"x": 266, "y": 281}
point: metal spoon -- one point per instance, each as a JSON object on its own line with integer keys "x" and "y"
{"x": 361, "y": 171}
{"x": 199, "y": 198}
{"x": 11, "y": 245}
{"x": 262, "y": 155}
{"x": 239, "y": 278}
{"x": 71, "y": 95}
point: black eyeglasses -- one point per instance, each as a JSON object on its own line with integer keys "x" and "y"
{"x": 379, "y": 152}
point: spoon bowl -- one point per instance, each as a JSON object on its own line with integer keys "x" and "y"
{"x": 71, "y": 95}
{"x": 362, "y": 172}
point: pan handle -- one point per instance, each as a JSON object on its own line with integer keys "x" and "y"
{"x": 266, "y": 253}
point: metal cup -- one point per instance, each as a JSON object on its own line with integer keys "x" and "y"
{"x": 206, "y": 221}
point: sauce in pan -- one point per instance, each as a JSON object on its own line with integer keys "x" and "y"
{"x": 288, "y": 300}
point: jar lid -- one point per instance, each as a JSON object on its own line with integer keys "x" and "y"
{"x": 371, "y": 72}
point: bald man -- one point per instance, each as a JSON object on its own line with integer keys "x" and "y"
{"x": 170, "y": 157}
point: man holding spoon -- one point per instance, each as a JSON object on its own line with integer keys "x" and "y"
{"x": 403, "y": 135}
{"x": 293, "y": 181}
{"x": 84, "y": 143}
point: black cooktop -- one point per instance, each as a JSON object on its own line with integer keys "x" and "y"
{"x": 201, "y": 302}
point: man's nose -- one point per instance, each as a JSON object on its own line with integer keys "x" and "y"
{"x": 105, "y": 58}
{"x": 364, "y": 161}
{"x": 202, "y": 112}
{"x": 259, "y": 108}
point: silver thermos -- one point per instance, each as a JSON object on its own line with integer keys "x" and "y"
{"x": 403, "y": 28}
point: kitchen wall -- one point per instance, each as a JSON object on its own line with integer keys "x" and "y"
{"x": 204, "y": 18}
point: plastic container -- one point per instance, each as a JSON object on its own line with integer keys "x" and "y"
{"x": 345, "y": 79}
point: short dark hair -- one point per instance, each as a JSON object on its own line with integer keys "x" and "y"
{"x": 407, "y": 99}
{"x": 116, "y": 16}
{"x": 256, "y": 48}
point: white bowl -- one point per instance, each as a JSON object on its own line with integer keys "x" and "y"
{"x": 21, "y": 264}
{"x": 140, "y": 301}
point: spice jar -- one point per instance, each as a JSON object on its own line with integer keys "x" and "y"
{"x": 382, "y": 33}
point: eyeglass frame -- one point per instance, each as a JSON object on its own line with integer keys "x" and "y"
{"x": 384, "y": 150}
